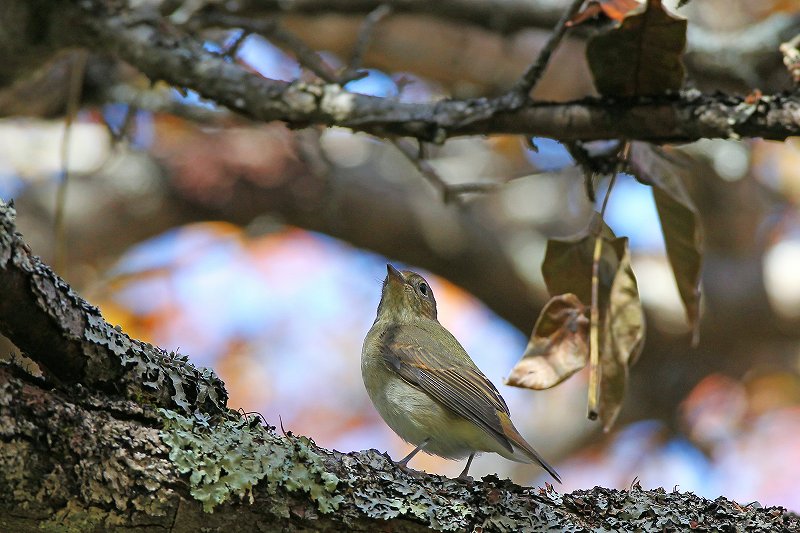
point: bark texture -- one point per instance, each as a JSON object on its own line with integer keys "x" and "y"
{"x": 164, "y": 51}
{"x": 72, "y": 344}
{"x": 73, "y": 460}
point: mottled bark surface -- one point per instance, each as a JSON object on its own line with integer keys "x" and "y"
{"x": 72, "y": 343}
{"x": 77, "y": 454}
{"x": 72, "y": 460}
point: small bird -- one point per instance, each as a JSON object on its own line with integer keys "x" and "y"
{"x": 426, "y": 387}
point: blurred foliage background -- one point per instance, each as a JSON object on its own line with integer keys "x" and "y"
{"x": 259, "y": 251}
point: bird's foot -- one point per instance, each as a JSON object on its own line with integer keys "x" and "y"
{"x": 408, "y": 470}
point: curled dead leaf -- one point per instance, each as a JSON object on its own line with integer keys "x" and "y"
{"x": 558, "y": 346}
{"x": 555, "y": 352}
{"x": 621, "y": 336}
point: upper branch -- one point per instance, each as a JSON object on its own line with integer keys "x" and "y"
{"x": 504, "y": 16}
{"x": 163, "y": 52}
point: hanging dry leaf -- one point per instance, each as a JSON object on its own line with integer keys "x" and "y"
{"x": 642, "y": 56}
{"x": 558, "y": 346}
{"x": 622, "y": 335}
{"x": 680, "y": 222}
{"x": 567, "y": 265}
{"x": 567, "y": 268}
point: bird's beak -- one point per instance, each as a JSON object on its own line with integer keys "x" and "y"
{"x": 394, "y": 275}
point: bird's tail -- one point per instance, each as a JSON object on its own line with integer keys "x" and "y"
{"x": 524, "y": 452}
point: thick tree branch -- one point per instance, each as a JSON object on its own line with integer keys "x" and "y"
{"x": 747, "y": 55}
{"x": 79, "y": 459}
{"x": 89, "y": 463}
{"x": 164, "y": 53}
{"x": 72, "y": 343}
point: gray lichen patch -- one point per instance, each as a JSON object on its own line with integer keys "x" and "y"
{"x": 70, "y": 465}
{"x": 382, "y": 491}
{"x": 234, "y": 456}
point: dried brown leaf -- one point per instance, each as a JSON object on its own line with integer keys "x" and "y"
{"x": 567, "y": 265}
{"x": 567, "y": 268}
{"x": 680, "y": 222}
{"x": 558, "y": 346}
{"x": 622, "y": 335}
{"x": 642, "y": 56}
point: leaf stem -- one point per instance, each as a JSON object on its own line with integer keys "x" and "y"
{"x": 595, "y": 376}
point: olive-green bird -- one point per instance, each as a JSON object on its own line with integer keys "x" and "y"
{"x": 427, "y": 388}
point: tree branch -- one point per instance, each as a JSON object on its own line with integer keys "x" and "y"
{"x": 164, "y": 53}
{"x": 91, "y": 463}
{"x": 535, "y": 71}
{"x": 72, "y": 343}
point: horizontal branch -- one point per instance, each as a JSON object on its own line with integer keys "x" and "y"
{"x": 94, "y": 464}
{"x": 163, "y": 53}
{"x": 744, "y": 56}
{"x": 72, "y": 343}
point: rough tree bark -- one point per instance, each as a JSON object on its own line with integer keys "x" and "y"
{"x": 118, "y": 435}
{"x": 165, "y": 52}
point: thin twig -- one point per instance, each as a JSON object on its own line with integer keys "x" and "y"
{"x": 417, "y": 158}
{"x": 531, "y": 77}
{"x": 362, "y": 42}
{"x": 272, "y": 29}
{"x": 75, "y": 88}
{"x": 455, "y": 189}
{"x": 594, "y": 324}
{"x": 237, "y": 43}
{"x": 595, "y": 373}
{"x": 449, "y": 192}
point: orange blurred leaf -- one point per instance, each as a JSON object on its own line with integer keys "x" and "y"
{"x": 613, "y": 9}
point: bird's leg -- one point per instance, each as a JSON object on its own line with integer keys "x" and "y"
{"x": 403, "y": 463}
{"x": 463, "y": 475}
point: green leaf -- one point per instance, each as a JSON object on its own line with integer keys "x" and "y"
{"x": 641, "y": 56}
{"x": 679, "y": 219}
{"x": 559, "y": 345}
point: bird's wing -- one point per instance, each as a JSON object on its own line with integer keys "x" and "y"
{"x": 463, "y": 389}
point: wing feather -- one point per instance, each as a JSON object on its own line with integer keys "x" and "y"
{"x": 463, "y": 389}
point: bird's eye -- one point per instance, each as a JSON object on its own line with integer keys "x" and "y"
{"x": 423, "y": 288}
